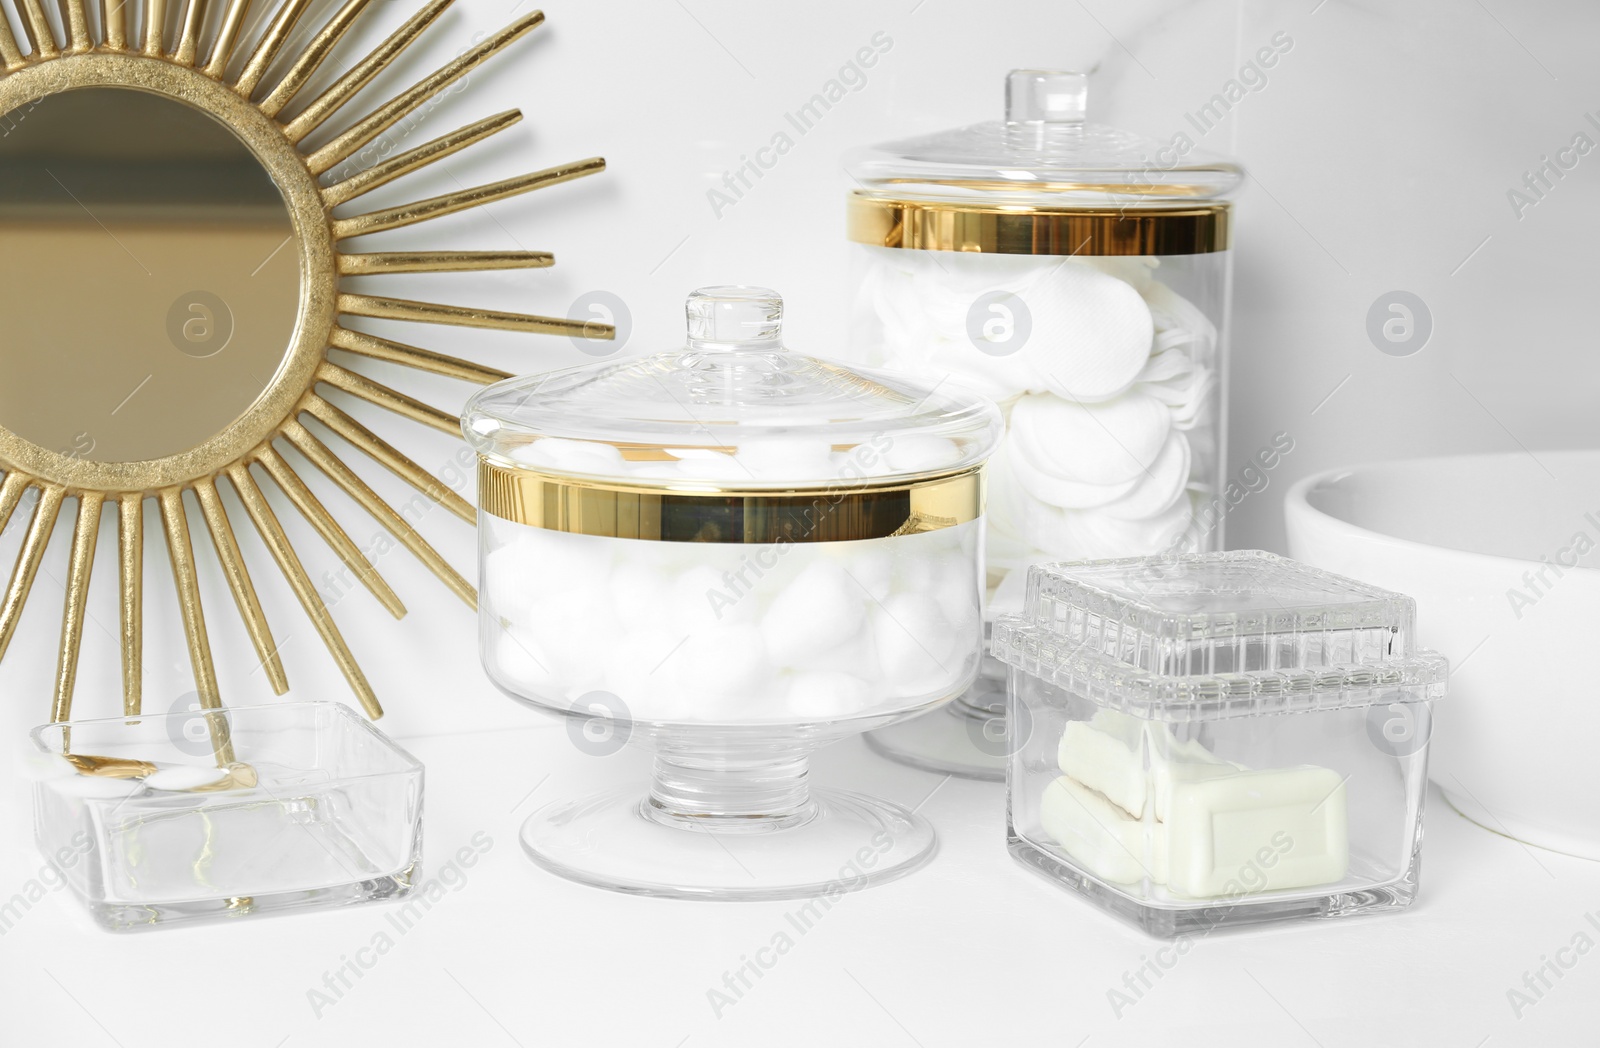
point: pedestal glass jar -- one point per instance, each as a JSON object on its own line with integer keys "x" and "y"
{"x": 730, "y": 555}
{"x": 1078, "y": 275}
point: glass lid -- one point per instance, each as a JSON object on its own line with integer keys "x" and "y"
{"x": 1045, "y": 153}
{"x": 731, "y": 409}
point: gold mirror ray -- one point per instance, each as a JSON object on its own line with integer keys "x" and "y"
{"x": 171, "y": 282}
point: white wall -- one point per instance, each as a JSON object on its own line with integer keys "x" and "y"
{"x": 1382, "y": 149}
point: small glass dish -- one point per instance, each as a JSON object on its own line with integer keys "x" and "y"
{"x": 194, "y": 816}
{"x": 1218, "y": 739}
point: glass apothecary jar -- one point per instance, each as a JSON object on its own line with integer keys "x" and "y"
{"x": 1218, "y": 739}
{"x": 164, "y": 819}
{"x": 1079, "y": 276}
{"x": 729, "y": 554}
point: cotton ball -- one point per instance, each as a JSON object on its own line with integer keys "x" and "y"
{"x": 577, "y": 639}
{"x": 912, "y": 454}
{"x": 639, "y": 591}
{"x": 825, "y": 696}
{"x": 655, "y": 470}
{"x": 713, "y": 467}
{"x": 917, "y": 651}
{"x": 639, "y": 670}
{"x": 727, "y": 667}
{"x": 571, "y": 456}
{"x": 534, "y": 564}
{"x": 868, "y": 563}
{"x": 821, "y": 608}
{"x": 857, "y": 656}
{"x": 705, "y": 595}
{"x": 519, "y": 662}
{"x": 570, "y": 566}
{"x": 914, "y": 570}
{"x": 786, "y": 458}
{"x": 956, "y": 589}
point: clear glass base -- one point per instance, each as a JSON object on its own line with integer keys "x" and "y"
{"x": 831, "y": 844}
{"x": 132, "y": 917}
{"x": 1167, "y": 921}
{"x": 965, "y": 738}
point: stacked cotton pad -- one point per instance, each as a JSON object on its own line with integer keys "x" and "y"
{"x": 1134, "y": 803}
{"x": 1107, "y": 378}
{"x": 706, "y": 633}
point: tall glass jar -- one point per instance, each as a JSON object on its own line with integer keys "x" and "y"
{"x": 1079, "y": 276}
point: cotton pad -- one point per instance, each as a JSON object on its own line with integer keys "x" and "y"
{"x": 1162, "y": 484}
{"x": 1066, "y": 494}
{"x": 1091, "y": 333}
{"x": 1096, "y": 534}
{"x": 1093, "y": 443}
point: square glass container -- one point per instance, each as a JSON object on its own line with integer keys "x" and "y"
{"x": 1078, "y": 274}
{"x": 309, "y": 807}
{"x": 1218, "y": 739}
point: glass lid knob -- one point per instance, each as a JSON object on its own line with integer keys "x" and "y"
{"x": 730, "y": 317}
{"x": 1039, "y": 96}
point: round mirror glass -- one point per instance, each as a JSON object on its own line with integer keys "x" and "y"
{"x": 149, "y": 277}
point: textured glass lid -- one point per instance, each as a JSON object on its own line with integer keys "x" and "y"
{"x": 1218, "y": 634}
{"x": 1044, "y": 152}
{"x": 733, "y": 405}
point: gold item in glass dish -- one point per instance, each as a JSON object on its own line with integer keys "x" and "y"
{"x": 171, "y": 283}
{"x": 234, "y": 775}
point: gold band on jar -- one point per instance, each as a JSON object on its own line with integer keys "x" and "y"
{"x": 933, "y": 225}
{"x": 841, "y": 512}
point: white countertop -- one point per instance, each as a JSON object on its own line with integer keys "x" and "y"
{"x": 970, "y": 950}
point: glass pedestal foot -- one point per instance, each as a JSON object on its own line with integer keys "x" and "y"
{"x": 729, "y": 826}
{"x": 965, "y": 738}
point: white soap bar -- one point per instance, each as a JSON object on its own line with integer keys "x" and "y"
{"x": 1104, "y": 756}
{"x": 1257, "y": 831}
{"x": 1108, "y": 753}
{"x": 1101, "y": 836}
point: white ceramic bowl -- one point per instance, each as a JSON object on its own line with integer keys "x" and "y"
{"x": 1502, "y": 553}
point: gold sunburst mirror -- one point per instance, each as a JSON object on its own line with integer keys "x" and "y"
{"x": 158, "y": 186}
